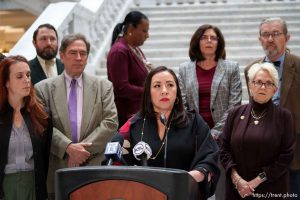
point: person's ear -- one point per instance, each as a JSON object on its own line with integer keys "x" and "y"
{"x": 34, "y": 43}
{"x": 287, "y": 37}
{"x": 62, "y": 56}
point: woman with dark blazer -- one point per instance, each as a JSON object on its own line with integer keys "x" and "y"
{"x": 127, "y": 66}
{"x": 25, "y": 136}
{"x": 258, "y": 141}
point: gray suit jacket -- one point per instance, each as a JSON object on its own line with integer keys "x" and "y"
{"x": 226, "y": 90}
{"x": 99, "y": 119}
{"x": 290, "y": 96}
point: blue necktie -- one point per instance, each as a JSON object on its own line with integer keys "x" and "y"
{"x": 72, "y": 106}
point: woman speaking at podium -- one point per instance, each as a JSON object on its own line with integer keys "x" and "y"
{"x": 172, "y": 137}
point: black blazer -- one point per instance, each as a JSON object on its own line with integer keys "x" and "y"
{"x": 41, "y": 150}
{"x": 37, "y": 72}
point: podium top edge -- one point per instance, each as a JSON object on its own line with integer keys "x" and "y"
{"x": 125, "y": 168}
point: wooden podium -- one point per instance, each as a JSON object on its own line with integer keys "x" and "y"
{"x": 124, "y": 183}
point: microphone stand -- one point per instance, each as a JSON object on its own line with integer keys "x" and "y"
{"x": 166, "y": 144}
{"x": 163, "y": 120}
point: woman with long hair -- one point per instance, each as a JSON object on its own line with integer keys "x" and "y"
{"x": 178, "y": 139}
{"x": 25, "y": 136}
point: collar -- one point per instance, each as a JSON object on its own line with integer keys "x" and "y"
{"x": 43, "y": 61}
{"x": 68, "y": 80}
{"x": 280, "y": 59}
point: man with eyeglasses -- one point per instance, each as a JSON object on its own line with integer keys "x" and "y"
{"x": 83, "y": 111}
{"x": 45, "y": 64}
{"x": 274, "y": 37}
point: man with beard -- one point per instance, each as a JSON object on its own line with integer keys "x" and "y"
{"x": 274, "y": 37}
{"x": 45, "y": 64}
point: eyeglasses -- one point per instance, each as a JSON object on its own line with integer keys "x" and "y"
{"x": 267, "y": 35}
{"x": 259, "y": 84}
{"x": 75, "y": 53}
{"x": 209, "y": 37}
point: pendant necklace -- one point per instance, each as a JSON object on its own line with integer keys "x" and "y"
{"x": 257, "y": 117}
{"x": 163, "y": 142}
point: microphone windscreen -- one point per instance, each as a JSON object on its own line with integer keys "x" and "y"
{"x": 113, "y": 151}
{"x": 141, "y": 148}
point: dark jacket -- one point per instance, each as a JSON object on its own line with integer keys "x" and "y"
{"x": 37, "y": 72}
{"x": 127, "y": 74}
{"x": 267, "y": 146}
{"x": 41, "y": 149}
{"x": 189, "y": 148}
{"x": 289, "y": 96}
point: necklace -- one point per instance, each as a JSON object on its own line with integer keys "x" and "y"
{"x": 257, "y": 117}
{"x": 141, "y": 56}
{"x": 163, "y": 142}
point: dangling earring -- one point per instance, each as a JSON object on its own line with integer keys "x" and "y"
{"x": 130, "y": 34}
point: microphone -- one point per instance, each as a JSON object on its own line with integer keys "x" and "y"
{"x": 143, "y": 152}
{"x": 163, "y": 120}
{"x": 113, "y": 150}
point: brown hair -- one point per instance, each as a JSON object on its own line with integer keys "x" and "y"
{"x": 194, "y": 51}
{"x": 38, "y": 115}
{"x": 48, "y": 26}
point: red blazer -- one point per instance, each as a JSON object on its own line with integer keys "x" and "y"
{"x": 127, "y": 74}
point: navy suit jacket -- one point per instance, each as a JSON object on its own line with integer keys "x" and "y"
{"x": 37, "y": 72}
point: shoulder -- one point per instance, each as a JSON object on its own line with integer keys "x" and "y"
{"x": 194, "y": 117}
{"x": 293, "y": 58}
{"x": 228, "y": 62}
{"x": 119, "y": 47}
{"x": 229, "y": 65}
{"x": 187, "y": 67}
{"x": 48, "y": 82}
{"x": 252, "y": 63}
{"x": 237, "y": 109}
{"x": 187, "y": 64}
{"x": 33, "y": 62}
{"x": 283, "y": 111}
{"x": 96, "y": 81}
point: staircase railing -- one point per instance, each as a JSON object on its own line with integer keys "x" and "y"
{"x": 171, "y": 2}
{"x": 94, "y": 19}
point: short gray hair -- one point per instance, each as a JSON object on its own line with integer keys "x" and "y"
{"x": 274, "y": 19}
{"x": 68, "y": 39}
{"x": 269, "y": 67}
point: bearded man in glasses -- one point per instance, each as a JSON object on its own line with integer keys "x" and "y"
{"x": 274, "y": 37}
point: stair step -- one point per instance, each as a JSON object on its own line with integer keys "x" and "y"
{"x": 171, "y": 28}
{"x": 231, "y": 6}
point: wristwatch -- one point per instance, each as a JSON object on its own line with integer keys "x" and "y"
{"x": 263, "y": 176}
